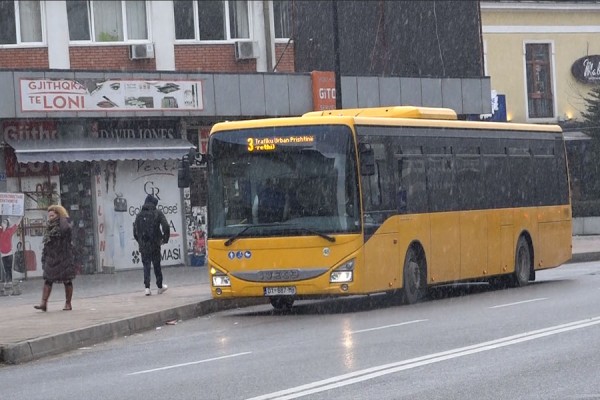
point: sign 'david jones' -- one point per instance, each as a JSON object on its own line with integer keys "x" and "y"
{"x": 48, "y": 95}
{"x": 587, "y": 69}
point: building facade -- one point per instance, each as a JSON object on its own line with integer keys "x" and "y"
{"x": 542, "y": 56}
{"x": 439, "y": 39}
{"x": 96, "y": 116}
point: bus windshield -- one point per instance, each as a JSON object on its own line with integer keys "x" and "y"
{"x": 291, "y": 180}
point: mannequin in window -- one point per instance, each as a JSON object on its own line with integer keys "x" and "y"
{"x": 7, "y": 250}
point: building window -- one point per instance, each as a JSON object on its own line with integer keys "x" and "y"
{"x": 539, "y": 80}
{"x": 107, "y": 21}
{"x": 282, "y": 12}
{"x": 20, "y": 22}
{"x": 211, "y": 20}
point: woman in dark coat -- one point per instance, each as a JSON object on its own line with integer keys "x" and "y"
{"x": 57, "y": 256}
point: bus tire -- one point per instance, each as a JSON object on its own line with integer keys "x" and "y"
{"x": 282, "y": 303}
{"x": 414, "y": 286}
{"x": 523, "y": 265}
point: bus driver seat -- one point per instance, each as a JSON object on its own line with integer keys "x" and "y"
{"x": 271, "y": 203}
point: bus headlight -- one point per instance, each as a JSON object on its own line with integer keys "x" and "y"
{"x": 343, "y": 273}
{"x": 219, "y": 279}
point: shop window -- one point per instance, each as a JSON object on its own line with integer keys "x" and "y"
{"x": 540, "y": 100}
{"x": 107, "y": 21}
{"x": 211, "y": 20}
{"x": 282, "y": 12}
{"x": 20, "y": 22}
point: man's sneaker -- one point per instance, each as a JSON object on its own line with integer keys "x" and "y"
{"x": 162, "y": 289}
{"x": 147, "y": 292}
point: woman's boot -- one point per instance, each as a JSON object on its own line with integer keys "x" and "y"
{"x": 68, "y": 296}
{"x": 45, "y": 295}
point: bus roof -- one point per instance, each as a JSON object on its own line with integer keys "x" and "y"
{"x": 384, "y": 116}
{"x": 389, "y": 112}
{"x": 423, "y": 116}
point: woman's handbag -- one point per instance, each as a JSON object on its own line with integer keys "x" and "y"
{"x": 29, "y": 257}
{"x": 120, "y": 203}
{"x": 19, "y": 259}
{"x": 24, "y": 259}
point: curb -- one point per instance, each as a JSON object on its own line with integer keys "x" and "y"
{"x": 33, "y": 349}
{"x": 584, "y": 257}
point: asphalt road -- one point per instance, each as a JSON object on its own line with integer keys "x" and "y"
{"x": 467, "y": 342}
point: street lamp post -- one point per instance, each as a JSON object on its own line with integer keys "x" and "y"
{"x": 336, "y": 52}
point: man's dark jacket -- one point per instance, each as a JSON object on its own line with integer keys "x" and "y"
{"x": 161, "y": 226}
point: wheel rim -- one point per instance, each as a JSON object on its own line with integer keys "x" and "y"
{"x": 414, "y": 275}
{"x": 523, "y": 264}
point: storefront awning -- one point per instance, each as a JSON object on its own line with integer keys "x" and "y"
{"x": 99, "y": 150}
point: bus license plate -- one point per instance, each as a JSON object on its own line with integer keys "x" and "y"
{"x": 280, "y": 291}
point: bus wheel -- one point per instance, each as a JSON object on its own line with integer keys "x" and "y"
{"x": 415, "y": 284}
{"x": 522, "y": 264}
{"x": 282, "y": 303}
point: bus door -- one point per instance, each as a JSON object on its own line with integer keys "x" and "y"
{"x": 382, "y": 264}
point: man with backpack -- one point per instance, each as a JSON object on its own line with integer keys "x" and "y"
{"x": 151, "y": 230}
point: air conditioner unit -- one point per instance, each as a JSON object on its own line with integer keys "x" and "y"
{"x": 141, "y": 51}
{"x": 245, "y": 50}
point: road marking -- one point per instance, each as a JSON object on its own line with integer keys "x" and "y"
{"x": 519, "y": 302}
{"x": 386, "y": 369}
{"x": 389, "y": 326}
{"x": 189, "y": 363}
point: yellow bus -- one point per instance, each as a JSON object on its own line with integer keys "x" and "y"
{"x": 388, "y": 199}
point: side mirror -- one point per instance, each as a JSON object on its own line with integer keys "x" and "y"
{"x": 197, "y": 158}
{"x": 184, "y": 176}
{"x": 367, "y": 162}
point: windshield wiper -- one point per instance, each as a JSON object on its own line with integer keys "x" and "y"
{"x": 233, "y": 238}
{"x": 323, "y": 235}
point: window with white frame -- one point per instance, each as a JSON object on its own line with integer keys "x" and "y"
{"x": 282, "y": 18}
{"x": 107, "y": 21}
{"x": 540, "y": 100}
{"x": 211, "y": 20}
{"x": 20, "y": 22}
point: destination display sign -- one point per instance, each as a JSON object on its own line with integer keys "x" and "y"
{"x": 271, "y": 143}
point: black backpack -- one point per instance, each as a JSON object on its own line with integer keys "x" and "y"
{"x": 146, "y": 225}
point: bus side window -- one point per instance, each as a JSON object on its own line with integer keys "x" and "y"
{"x": 546, "y": 184}
{"x": 372, "y": 189}
{"x": 411, "y": 192}
{"x": 440, "y": 182}
{"x": 523, "y": 186}
{"x": 402, "y": 192}
{"x": 379, "y": 199}
{"x": 469, "y": 181}
{"x": 562, "y": 173}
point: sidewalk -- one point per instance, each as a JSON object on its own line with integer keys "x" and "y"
{"x": 107, "y": 306}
